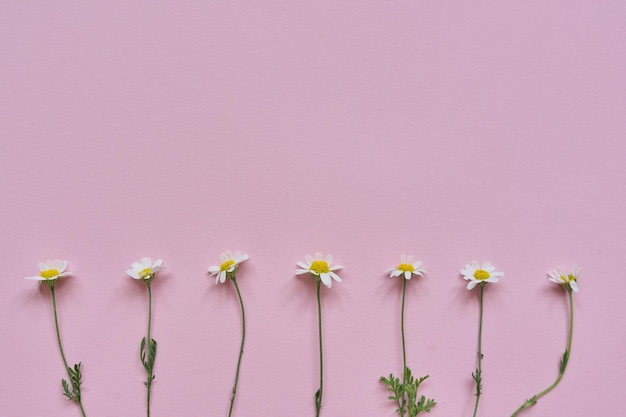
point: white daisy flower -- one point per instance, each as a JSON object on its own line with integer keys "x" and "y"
{"x": 145, "y": 269}
{"x": 476, "y": 274}
{"x": 51, "y": 270}
{"x": 320, "y": 267}
{"x": 566, "y": 280}
{"x": 229, "y": 262}
{"x": 407, "y": 267}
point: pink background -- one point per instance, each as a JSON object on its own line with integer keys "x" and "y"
{"x": 454, "y": 131}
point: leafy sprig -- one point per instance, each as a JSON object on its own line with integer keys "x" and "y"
{"x": 147, "y": 357}
{"x": 477, "y": 377}
{"x": 75, "y": 380}
{"x": 405, "y": 394}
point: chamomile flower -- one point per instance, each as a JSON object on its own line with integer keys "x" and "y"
{"x": 320, "y": 267}
{"x": 476, "y": 274}
{"x": 145, "y": 269}
{"x": 229, "y": 262}
{"x": 51, "y": 270}
{"x": 564, "y": 279}
{"x": 407, "y": 267}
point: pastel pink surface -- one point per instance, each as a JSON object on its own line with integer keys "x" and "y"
{"x": 452, "y": 131}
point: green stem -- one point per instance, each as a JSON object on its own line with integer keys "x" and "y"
{"x": 243, "y": 339}
{"x": 149, "y": 345}
{"x": 478, "y": 376}
{"x": 403, "y": 404}
{"x": 564, "y": 361}
{"x": 56, "y": 322}
{"x": 318, "y": 394}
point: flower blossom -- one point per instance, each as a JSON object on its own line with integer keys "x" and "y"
{"x": 320, "y": 268}
{"x": 229, "y": 262}
{"x": 51, "y": 270}
{"x": 558, "y": 276}
{"x": 145, "y": 269}
{"x": 407, "y": 267}
{"x": 477, "y": 275}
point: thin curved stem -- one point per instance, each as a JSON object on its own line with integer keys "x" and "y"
{"x": 243, "y": 339}
{"x": 403, "y": 403}
{"x": 149, "y": 344}
{"x": 564, "y": 361}
{"x": 56, "y": 323}
{"x": 478, "y": 375}
{"x": 320, "y": 391}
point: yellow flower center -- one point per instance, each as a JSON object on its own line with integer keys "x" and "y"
{"x": 568, "y": 278}
{"x": 226, "y": 265}
{"x": 145, "y": 273}
{"x": 319, "y": 267}
{"x": 406, "y": 268}
{"x": 49, "y": 273}
{"x": 481, "y": 274}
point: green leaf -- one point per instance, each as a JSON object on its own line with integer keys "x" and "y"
{"x": 405, "y": 395}
{"x": 66, "y": 390}
{"x": 563, "y": 363}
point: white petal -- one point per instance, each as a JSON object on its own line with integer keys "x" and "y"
{"x": 36, "y": 278}
{"x": 409, "y": 259}
{"x": 223, "y": 257}
{"x": 42, "y": 266}
{"x": 407, "y": 275}
{"x": 471, "y": 284}
{"x": 242, "y": 258}
{"x": 574, "y": 285}
{"x": 318, "y": 256}
{"x": 157, "y": 264}
{"x": 492, "y": 279}
{"x": 132, "y": 273}
{"x": 308, "y": 259}
{"x": 469, "y": 269}
{"x": 302, "y": 271}
{"x": 329, "y": 259}
{"x": 214, "y": 269}
{"x": 146, "y": 262}
{"x": 576, "y": 270}
{"x": 303, "y": 265}
{"x": 326, "y": 280}
{"x": 59, "y": 265}
{"x": 222, "y": 276}
{"x": 217, "y": 279}
{"x": 335, "y": 276}
{"x": 336, "y": 267}
{"x": 402, "y": 259}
